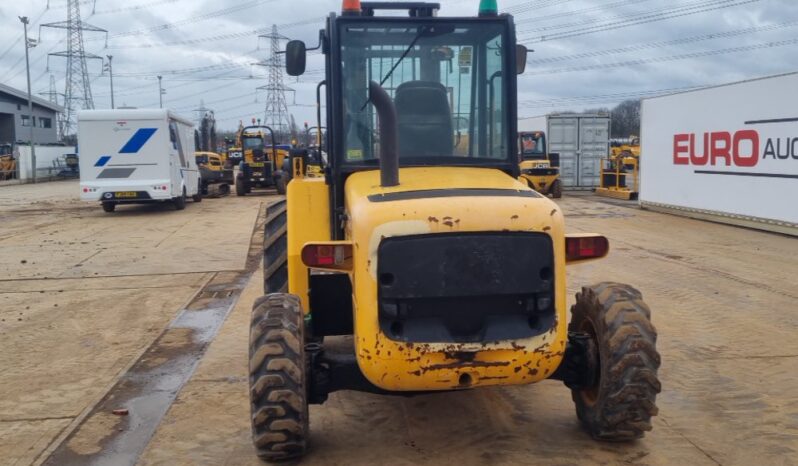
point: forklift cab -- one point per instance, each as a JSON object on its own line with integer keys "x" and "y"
{"x": 532, "y": 145}
{"x": 452, "y": 84}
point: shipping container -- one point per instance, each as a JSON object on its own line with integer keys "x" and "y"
{"x": 726, "y": 153}
{"x": 581, "y": 140}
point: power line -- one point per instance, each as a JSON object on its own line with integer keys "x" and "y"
{"x": 573, "y": 13}
{"x": 142, "y": 6}
{"x": 524, "y": 7}
{"x": 641, "y": 19}
{"x": 660, "y": 44}
{"x": 19, "y": 38}
{"x": 216, "y": 38}
{"x": 645, "y": 61}
{"x": 191, "y": 20}
{"x": 604, "y": 97}
{"x": 627, "y": 17}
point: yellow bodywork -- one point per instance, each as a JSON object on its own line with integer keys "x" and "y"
{"x": 620, "y": 175}
{"x": 540, "y": 183}
{"x": 215, "y": 161}
{"x": 399, "y": 366}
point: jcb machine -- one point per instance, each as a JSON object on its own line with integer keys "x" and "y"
{"x": 215, "y": 177}
{"x": 620, "y": 173}
{"x": 446, "y": 270}
{"x": 260, "y": 164}
{"x": 8, "y": 164}
{"x": 539, "y": 169}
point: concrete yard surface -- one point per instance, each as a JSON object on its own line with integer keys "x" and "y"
{"x": 95, "y": 303}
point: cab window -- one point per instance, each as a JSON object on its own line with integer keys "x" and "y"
{"x": 447, "y": 83}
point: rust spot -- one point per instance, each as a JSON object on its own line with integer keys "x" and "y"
{"x": 546, "y": 372}
{"x": 463, "y": 356}
{"x": 417, "y": 372}
{"x": 448, "y": 218}
{"x": 533, "y": 372}
{"x": 517, "y": 369}
{"x": 459, "y": 365}
{"x": 432, "y": 219}
{"x": 494, "y": 377}
{"x": 553, "y": 211}
{"x": 448, "y": 223}
{"x": 514, "y": 217}
{"x": 517, "y": 347}
{"x": 546, "y": 228}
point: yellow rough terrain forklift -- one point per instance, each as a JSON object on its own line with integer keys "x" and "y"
{"x": 443, "y": 269}
{"x": 260, "y": 164}
{"x": 539, "y": 169}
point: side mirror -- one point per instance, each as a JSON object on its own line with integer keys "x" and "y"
{"x": 520, "y": 58}
{"x": 295, "y": 54}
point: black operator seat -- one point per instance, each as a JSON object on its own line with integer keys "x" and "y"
{"x": 424, "y": 119}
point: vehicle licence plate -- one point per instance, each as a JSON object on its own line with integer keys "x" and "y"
{"x": 256, "y": 164}
{"x": 126, "y": 194}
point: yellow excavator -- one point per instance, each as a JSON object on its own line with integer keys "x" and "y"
{"x": 215, "y": 175}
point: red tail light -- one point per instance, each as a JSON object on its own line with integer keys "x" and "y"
{"x": 328, "y": 256}
{"x": 583, "y": 247}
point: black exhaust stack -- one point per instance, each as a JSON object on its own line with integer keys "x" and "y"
{"x": 389, "y": 152}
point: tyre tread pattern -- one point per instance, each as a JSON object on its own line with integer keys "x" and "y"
{"x": 628, "y": 382}
{"x": 278, "y": 378}
{"x": 275, "y": 249}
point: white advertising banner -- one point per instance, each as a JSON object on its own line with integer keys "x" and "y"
{"x": 731, "y": 150}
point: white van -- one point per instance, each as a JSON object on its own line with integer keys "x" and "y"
{"x": 136, "y": 156}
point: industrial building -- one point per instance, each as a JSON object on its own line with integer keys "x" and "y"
{"x": 15, "y": 118}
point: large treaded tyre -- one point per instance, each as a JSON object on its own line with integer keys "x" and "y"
{"x": 241, "y": 189}
{"x": 620, "y": 404}
{"x": 109, "y": 206}
{"x": 278, "y": 378}
{"x": 556, "y": 189}
{"x": 281, "y": 183}
{"x": 275, "y": 248}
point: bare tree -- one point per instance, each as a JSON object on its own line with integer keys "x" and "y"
{"x": 626, "y": 119}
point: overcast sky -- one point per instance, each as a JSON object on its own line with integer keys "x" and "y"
{"x": 588, "y": 53}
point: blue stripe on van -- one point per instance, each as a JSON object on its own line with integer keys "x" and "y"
{"x": 138, "y": 140}
{"x": 102, "y": 161}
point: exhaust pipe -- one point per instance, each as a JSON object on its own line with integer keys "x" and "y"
{"x": 389, "y": 153}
